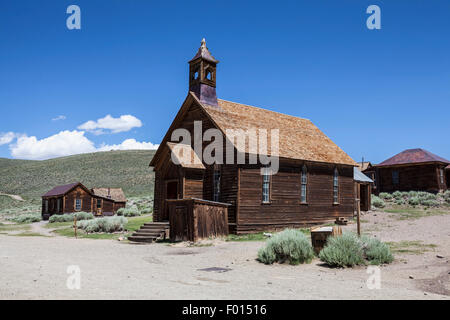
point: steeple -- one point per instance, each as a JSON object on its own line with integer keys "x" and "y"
{"x": 202, "y": 75}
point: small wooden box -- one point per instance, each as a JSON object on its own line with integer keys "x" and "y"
{"x": 319, "y": 236}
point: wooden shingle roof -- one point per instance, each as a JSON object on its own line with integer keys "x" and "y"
{"x": 115, "y": 194}
{"x": 298, "y": 138}
{"x": 412, "y": 156}
{"x": 193, "y": 161}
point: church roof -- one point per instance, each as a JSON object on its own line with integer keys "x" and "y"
{"x": 412, "y": 156}
{"x": 298, "y": 138}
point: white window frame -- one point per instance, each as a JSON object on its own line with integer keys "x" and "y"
{"x": 266, "y": 180}
{"x": 76, "y": 204}
{"x": 304, "y": 185}
{"x": 336, "y": 186}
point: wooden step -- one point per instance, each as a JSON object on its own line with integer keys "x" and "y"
{"x": 141, "y": 239}
{"x": 154, "y": 227}
{"x": 148, "y": 234}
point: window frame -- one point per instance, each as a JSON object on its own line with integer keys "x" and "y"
{"x": 304, "y": 185}
{"x": 269, "y": 186}
{"x": 441, "y": 176}
{"x": 336, "y": 191}
{"x": 46, "y": 205}
{"x": 217, "y": 184}
{"x": 396, "y": 180}
{"x": 101, "y": 203}
{"x": 81, "y": 204}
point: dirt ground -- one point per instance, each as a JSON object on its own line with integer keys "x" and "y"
{"x": 36, "y": 268}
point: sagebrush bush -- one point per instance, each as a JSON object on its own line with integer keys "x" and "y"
{"x": 348, "y": 250}
{"x": 27, "y": 218}
{"x": 428, "y": 203}
{"x": 67, "y": 217}
{"x": 414, "y": 201}
{"x": 129, "y": 212}
{"x": 400, "y": 201}
{"x": 375, "y": 251}
{"x": 106, "y": 224}
{"x": 378, "y": 202}
{"x": 426, "y": 196}
{"x": 446, "y": 196}
{"x": 398, "y": 195}
{"x": 385, "y": 196}
{"x": 146, "y": 210}
{"x": 289, "y": 245}
{"x": 343, "y": 251}
{"x": 412, "y": 194}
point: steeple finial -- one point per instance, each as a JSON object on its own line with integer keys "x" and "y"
{"x": 203, "y": 43}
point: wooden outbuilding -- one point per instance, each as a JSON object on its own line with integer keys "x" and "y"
{"x": 412, "y": 169}
{"x": 363, "y": 190}
{"x": 314, "y": 182}
{"x": 75, "y": 197}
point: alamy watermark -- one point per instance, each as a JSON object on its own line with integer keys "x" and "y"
{"x": 73, "y": 281}
{"x": 253, "y": 142}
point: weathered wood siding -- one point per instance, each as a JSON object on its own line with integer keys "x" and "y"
{"x": 414, "y": 177}
{"x": 78, "y": 193}
{"x": 285, "y": 208}
{"x": 192, "y": 219}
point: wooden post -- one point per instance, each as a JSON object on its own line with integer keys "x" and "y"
{"x": 75, "y": 225}
{"x": 358, "y": 216}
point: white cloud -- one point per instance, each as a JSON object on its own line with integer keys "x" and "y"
{"x": 61, "y": 144}
{"x": 113, "y": 125}
{"x": 7, "y": 137}
{"x": 66, "y": 143}
{"x": 60, "y": 117}
{"x": 129, "y": 144}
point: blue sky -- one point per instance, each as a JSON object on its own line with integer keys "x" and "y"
{"x": 373, "y": 92}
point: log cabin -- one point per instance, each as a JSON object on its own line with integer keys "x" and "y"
{"x": 411, "y": 169}
{"x": 313, "y": 184}
{"x": 75, "y": 197}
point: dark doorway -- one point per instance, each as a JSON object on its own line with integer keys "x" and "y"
{"x": 171, "y": 193}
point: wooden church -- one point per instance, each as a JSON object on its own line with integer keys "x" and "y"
{"x": 313, "y": 184}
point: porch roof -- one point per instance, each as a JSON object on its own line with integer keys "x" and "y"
{"x": 184, "y": 156}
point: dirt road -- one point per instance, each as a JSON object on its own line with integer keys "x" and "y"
{"x": 36, "y": 268}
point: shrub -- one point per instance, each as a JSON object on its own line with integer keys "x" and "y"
{"x": 27, "y": 218}
{"x": 146, "y": 210}
{"x": 289, "y": 245}
{"x": 426, "y": 196}
{"x": 414, "y": 201}
{"x": 378, "y": 202}
{"x": 67, "y": 217}
{"x": 446, "y": 196}
{"x": 385, "y": 196}
{"x": 348, "y": 250}
{"x": 400, "y": 201}
{"x": 376, "y": 252}
{"x": 343, "y": 251}
{"x": 428, "y": 203}
{"x": 398, "y": 195}
{"x": 128, "y": 212}
{"x": 412, "y": 194}
{"x": 106, "y": 224}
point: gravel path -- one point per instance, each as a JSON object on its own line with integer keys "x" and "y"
{"x": 36, "y": 268}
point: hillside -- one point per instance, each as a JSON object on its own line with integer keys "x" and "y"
{"x": 30, "y": 179}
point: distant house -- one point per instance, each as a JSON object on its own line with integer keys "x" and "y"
{"x": 116, "y": 194}
{"x": 76, "y": 197}
{"x": 412, "y": 169}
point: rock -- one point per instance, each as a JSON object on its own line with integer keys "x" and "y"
{"x": 269, "y": 282}
{"x": 439, "y": 256}
{"x": 121, "y": 238}
{"x": 268, "y": 235}
{"x": 411, "y": 277}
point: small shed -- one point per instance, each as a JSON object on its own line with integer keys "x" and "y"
{"x": 363, "y": 190}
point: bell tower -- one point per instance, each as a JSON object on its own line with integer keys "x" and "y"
{"x": 202, "y": 75}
